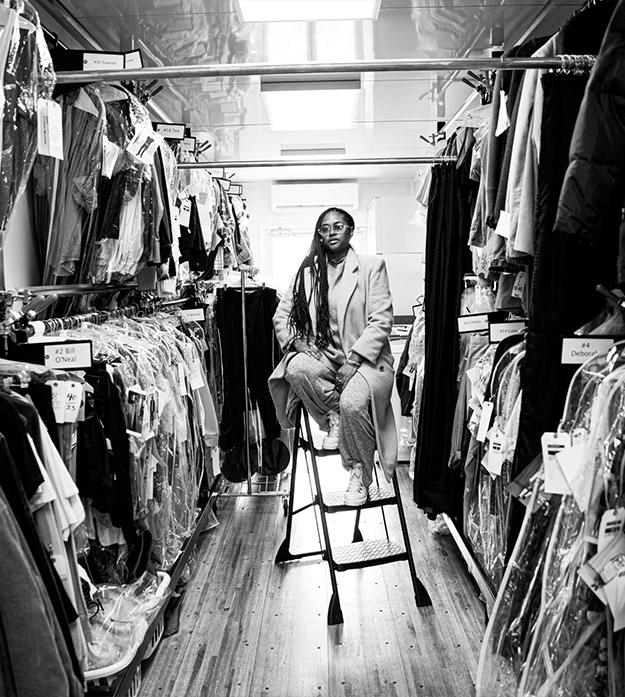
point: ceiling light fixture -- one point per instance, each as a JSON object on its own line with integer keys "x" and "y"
{"x": 310, "y": 102}
{"x": 306, "y": 10}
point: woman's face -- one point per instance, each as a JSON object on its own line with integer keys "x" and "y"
{"x": 335, "y": 235}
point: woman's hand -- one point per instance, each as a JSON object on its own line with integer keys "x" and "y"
{"x": 302, "y": 346}
{"x": 345, "y": 373}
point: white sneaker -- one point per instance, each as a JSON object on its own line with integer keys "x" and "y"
{"x": 331, "y": 441}
{"x": 357, "y": 492}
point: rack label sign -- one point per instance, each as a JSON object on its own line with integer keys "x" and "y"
{"x": 498, "y": 331}
{"x": 577, "y": 350}
{"x": 194, "y": 315}
{"x": 171, "y": 131}
{"x": 64, "y": 356}
{"x": 479, "y": 322}
{"x": 189, "y": 144}
{"x": 472, "y": 323}
{"x": 103, "y": 61}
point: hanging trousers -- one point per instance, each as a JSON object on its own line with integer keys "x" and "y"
{"x": 260, "y": 305}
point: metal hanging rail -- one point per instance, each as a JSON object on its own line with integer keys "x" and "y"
{"x": 364, "y": 161}
{"x": 374, "y": 66}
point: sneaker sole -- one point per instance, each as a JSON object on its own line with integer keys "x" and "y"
{"x": 354, "y": 502}
{"x": 329, "y": 443}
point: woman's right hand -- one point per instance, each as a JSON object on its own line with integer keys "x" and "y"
{"x": 302, "y": 346}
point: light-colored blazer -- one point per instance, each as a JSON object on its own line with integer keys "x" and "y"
{"x": 365, "y": 319}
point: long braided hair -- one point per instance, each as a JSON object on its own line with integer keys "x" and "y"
{"x": 299, "y": 318}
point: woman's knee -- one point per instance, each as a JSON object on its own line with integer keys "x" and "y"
{"x": 355, "y": 401}
{"x": 304, "y": 368}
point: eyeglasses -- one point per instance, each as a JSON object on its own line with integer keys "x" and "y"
{"x": 337, "y": 227}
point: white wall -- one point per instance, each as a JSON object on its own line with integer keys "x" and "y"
{"x": 281, "y": 238}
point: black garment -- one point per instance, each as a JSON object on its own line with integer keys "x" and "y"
{"x": 437, "y": 488}
{"x": 192, "y": 248}
{"x": 262, "y": 357}
{"x": 565, "y": 270}
{"x": 402, "y": 382}
{"x": 104, "y": 450}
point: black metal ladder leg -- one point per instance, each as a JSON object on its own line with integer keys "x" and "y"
{"x": 422, "y": 597}
{"x": 335, "y": 615}
{"x": 283, "y": 554}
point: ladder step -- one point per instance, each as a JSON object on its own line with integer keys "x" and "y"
{"x": 367, "y": 553}
{"x": 334, "y": 501}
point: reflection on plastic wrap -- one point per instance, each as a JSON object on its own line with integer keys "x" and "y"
{"x": 27, "y": 77}
{"x": 120, "y": 617}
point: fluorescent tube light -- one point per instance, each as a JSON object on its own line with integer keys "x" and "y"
{"x": 306, "y": 10}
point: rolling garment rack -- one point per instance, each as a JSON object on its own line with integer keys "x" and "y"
{"x": 124, "y": 681}
{"x": 265, "y": 485}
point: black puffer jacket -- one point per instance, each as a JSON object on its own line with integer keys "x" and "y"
{"x": 595, "y": 179}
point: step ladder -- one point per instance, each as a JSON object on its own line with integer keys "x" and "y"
{"x": 360, "y": 553}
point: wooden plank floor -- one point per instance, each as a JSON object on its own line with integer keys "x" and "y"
{"x": 250, "y": 627}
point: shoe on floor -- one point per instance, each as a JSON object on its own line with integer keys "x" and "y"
{"x": 357, "y": 493}
{"x": 331, "y": 441}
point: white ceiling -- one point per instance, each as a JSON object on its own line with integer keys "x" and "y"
{"x": 394, "y": 108}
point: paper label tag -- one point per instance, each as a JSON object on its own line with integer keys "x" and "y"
{"x": 573, "y": 463}
{"x": 59, "y": 399}
{"x": 182, "y": 380}
{"x": 195, "y": 374}
{"x": 552, "y": 444}
{"x": 49, "y": 128}
{"x": 133, "y": 60}
{"x": 63, "y": 356}
{"x": 184, "y": 215}
{"x": 503, "y": 225}
{"x": 472, "y": 323}
{"x": 188, "y": 144}
{"x": 103, "y": 61}
{"x": 194, "y": 315}
{"x": 609, "y": 565}
{"x": 496, "y": 453}
{"x": 498, "y": 331}
{"x": 611, "y": 525}
{"x": 577, "y": 350}
{"x": 72, "y": 402}
{"x": 110, "y": 153}
{"x": 171, "y": 131}
{"x": 503, "y": 121}
{"x": 144, "y": 144}
{"x": 487, "y": 412}
{"x": 519, "y": 284}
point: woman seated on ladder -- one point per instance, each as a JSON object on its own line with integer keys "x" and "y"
{"x": 333, "y": 324}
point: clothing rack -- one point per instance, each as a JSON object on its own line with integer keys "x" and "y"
{"x": 246, "y": 270}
